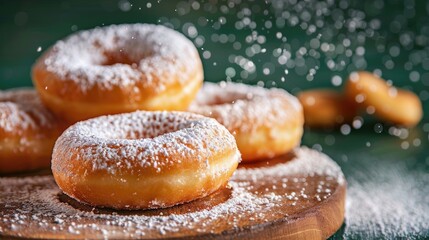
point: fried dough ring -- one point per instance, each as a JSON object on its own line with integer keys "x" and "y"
{"x": 264, "y": 122}
{"x": 116, "y": 69}
{"x": 391, "y": 104}
{"x": 325, "y": 108}
{"x": 144, "y": 160}
{"x": 27, "y": 131}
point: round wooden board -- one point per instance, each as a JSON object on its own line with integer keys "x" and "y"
{"x": 296, "y": 196}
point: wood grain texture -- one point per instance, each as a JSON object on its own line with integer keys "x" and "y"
{"x": 266, "y": 200}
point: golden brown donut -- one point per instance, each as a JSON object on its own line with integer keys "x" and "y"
{"x": 391, "y": 104}
{"x": 324, "y": 108}
{"x": 116, "y": 69}
{"x": 27, "y": 131}
{"x": 265, "y": 123}
{"x": 144, "y": 160}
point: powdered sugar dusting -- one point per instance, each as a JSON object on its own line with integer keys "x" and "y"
{"x": 124, "y": 55}
{"x": 112, "y": 143}
{"x": 37, "y": 203}
{"x": 385, "y": 201}
{"x": 21, "y": 110}
{"x": 245, "y": 107}
{"x": 305, "y": 162}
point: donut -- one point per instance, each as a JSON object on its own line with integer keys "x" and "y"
{"x": 325, "y": 108}
{"x": 117, "y": 69}
{"x": 265, "y": 123}
{"x": 144, "y": 160}
{"x": 27, "y": 131}
{"x": 390, "y": 104}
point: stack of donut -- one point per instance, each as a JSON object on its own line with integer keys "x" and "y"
{"x": 135, "y": 159}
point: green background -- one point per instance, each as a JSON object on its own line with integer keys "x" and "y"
{"x": 373, "y": 158}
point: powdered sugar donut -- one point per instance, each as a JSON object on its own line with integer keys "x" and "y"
{"x": 144, "y": 159}
{"x": 116, "y": 69}
{"x": 265, "y": 122}
{"x": 325, "y": 108}
{"x": 391, "y": 104}
{"x": 27, "y": 131}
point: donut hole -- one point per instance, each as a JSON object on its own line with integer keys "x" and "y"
{"x": 22, "y": 95}
{"x": 144, "y": 128}
{"x": 128, "y": 51}
{"x": 121, "y": 57}
{"x": 227, "y": 99}
{"x": 149, "y": 132}
{"x": 154, "y": 127}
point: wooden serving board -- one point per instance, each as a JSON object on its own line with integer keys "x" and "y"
{"x": 297, "y": 196}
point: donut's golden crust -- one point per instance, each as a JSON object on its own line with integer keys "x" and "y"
{"x": 147, "y": 191}
{"x": 149, "y": 90}
{"x": 392, "y": 105}
{"x": 269, "y": 142}
{"x": 325, "y": 108}
{"x": 95, "y": 102}
{"x": 273, "y": 127}
{"x": 27, "y": 132}
{"x": 159, "y": 179}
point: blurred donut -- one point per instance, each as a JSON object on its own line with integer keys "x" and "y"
{"x": 27, "y": 131}
{"x": 264, "y": 122}
{"x": 391, "y": 104}
{"x": 324, "y": 108}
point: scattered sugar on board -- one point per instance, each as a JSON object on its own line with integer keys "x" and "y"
{"x": 39, "y": 203}
{"x": 305, "y": 163}
{"x": 45, "y": 205}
